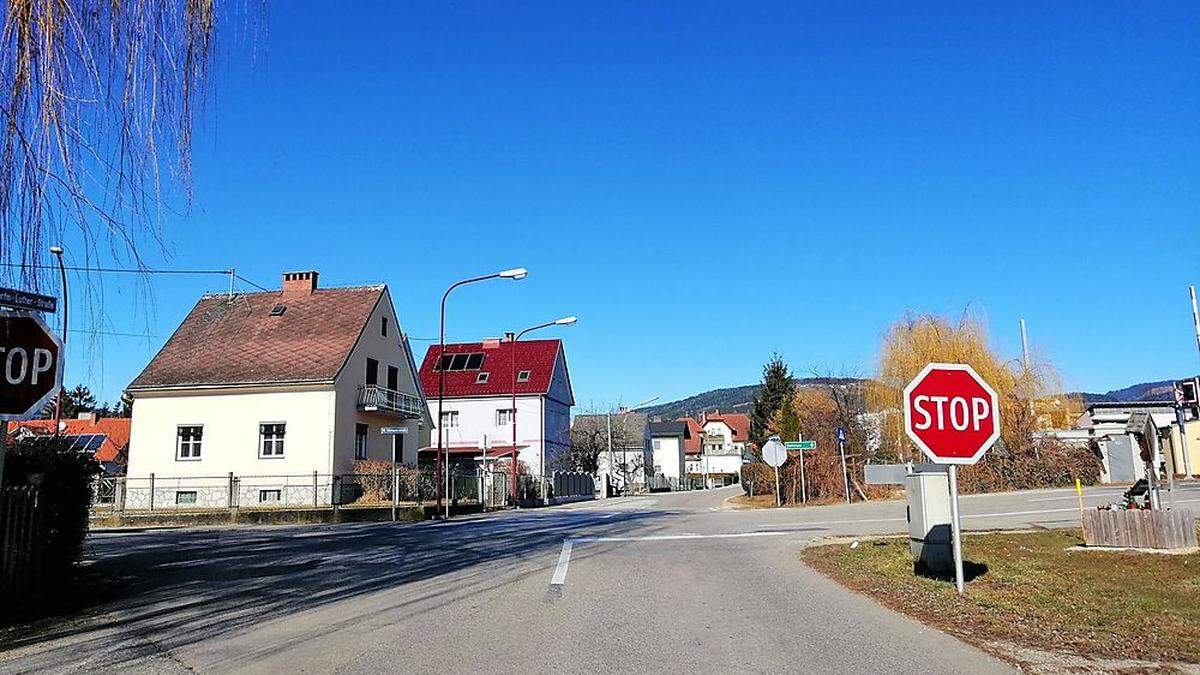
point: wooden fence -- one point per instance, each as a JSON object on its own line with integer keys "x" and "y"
{"x": 20, "y": 548}
{"x": 1140, "y": 529}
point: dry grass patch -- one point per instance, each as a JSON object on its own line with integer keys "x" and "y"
{"x": 1039, "y": 594}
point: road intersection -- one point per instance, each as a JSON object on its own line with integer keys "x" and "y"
{"x": 670, "y": 582}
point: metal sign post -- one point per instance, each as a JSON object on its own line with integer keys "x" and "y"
{"x": 841, "y": 439}
{"x": 800, "y": 445}
{"x": 394, "y": 431}
{"x": 956, "y": 530}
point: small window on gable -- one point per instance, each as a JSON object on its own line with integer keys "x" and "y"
{"x": 481, "y": 378}
{"x": 383, "y": 325}
{"x": 523, "y": 376}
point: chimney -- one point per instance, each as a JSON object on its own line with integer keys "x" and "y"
{"x": 299, "y": 283}
{"x": 90, "y": 416}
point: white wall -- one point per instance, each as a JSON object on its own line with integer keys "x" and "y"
{"x": 388, "y": 351}
{"x": 477, "y": 417}
{"x": 669, "y": 455}
{"x": 231, "y": 441}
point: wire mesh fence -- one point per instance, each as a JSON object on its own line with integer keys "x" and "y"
{"x": 403, "y": 486}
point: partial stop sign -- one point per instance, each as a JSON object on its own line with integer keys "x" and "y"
{"x": 951, "y": 413}
{"x": 30, "y": 365}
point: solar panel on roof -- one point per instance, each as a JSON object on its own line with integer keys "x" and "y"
{"x": 95, "y": 443}
{"x": 78, "y": 443}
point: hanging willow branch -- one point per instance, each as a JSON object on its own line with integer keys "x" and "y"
{"x": 99, "y": 99}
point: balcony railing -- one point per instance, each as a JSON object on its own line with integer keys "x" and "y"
{"x": 374, "y": 398}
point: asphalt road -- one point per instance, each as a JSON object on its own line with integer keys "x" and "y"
{"x": 663, "y": 583}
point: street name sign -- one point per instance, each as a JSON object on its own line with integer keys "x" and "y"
{"x": 393, "y": 431}
{"x": 954, "y": 417}
{"x": 30, "y": 365}
{"x": 18, "y": 299}
{"x": 800, "y": 445}
{"x": 951, "y": 414}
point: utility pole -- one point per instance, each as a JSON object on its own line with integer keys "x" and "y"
{"x": 1195, "y": 314}
{"x": 1024, "y": 346}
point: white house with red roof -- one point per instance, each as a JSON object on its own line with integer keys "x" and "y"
{"x": 718, "y": 454}
{"x": 477, "y": 381}
{"x": 282, "y": 383}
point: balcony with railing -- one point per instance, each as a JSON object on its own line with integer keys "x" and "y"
{"x": 374, "y": 398}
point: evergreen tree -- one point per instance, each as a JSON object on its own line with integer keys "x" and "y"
{"x": 777, "y": 389}
{"x": 74, "y": 401}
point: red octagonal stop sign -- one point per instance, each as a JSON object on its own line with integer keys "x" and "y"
{"x": 30, "y": 365}
{"x": 951, "y": 413}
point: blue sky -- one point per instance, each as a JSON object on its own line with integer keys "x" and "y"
{"x": 703, "y": 183}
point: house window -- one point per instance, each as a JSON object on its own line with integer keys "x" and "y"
{"x": 185, "y": 497}
{"x": 188, "y": 441}
{"x": 504, "y": 417}
{"x": 270, "y": 439}
{"x": 372, "y": 371}
{"x": 450, "y": 419}
{"x": 657, "y": 444}
{"x": 270, "y": 495}
{"x": 523, "y": 376}
{"x": 383, "y": 325}
{"x": 481, "y": 378}
{"x": 658, "y": 469}
{"x": 360, "y": 441}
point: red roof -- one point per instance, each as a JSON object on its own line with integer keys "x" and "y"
{"x": 536, "y": 356}
{"x": 115, "y": 429}
{"x": 238, "y": 341}
{"x": 738, "y": 422}
{"x": 691, "y": 441}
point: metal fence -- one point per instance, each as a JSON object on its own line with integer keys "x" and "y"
{"x": 406, "y": 486}
{"x": 21, "y": 535}
{"x": 660, "y": 483}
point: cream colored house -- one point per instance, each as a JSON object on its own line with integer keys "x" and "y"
{"x": 288, "y": 383}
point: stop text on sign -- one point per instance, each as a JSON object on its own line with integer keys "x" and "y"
{"x": 951, "y": 413}
{"x": 962, "y": 413}
{"x": 30, "y": 364}
{"x": 18, "y": 366}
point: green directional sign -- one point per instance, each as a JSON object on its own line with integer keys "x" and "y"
{"x": 801, "y": 445}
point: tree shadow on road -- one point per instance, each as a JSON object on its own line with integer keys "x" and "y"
{"x": 181, "y": 587}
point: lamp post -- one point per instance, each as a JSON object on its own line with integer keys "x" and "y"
{"x": 62, "y": 270}
{"x": 608, "y": 426}
{"x": 443, "y": 462}
{"x": 512, "y": 362}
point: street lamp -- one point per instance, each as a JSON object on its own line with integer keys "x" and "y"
{"x": 512, "y": 362}
{"x": 443, "y": 463}
{"x": 62, "y": 270}
{"x": 608, "y": 425}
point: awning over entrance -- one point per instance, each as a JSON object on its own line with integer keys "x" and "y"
{"x": 470, "y": 451}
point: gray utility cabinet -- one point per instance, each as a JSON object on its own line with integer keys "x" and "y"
{"x": 929, "y": 533}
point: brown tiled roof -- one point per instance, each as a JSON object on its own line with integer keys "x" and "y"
{"x": 230, "y": 342}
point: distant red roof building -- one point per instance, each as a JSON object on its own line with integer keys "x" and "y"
{"x": 692, "y": 440}
{"x": 114, "y": 447}
{"x": 487, "y": 368}
{"x": 739, "y": 423}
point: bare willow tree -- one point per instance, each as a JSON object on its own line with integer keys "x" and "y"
{"x": 100, "y": 98}
{"x": 1031, "y": 398}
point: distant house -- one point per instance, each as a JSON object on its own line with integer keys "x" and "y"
{"x": 1105, "y": 428}
{"x": 668, "y": 440}
{"x": 632, "y": 458}
{"x": 290, "y": 382}
{"x": 106, "y": 438}
{"x": 478, "y": 380}
{"x": 724, "y": 439}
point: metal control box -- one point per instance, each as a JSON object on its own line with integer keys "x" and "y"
{"x": 929, "y": 533}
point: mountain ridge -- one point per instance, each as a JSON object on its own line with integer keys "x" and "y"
{"x": 741, "y": 398}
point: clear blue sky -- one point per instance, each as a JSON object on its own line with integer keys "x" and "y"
{"x": 704, "y": 183}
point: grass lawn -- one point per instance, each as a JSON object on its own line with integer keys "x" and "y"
{"x": 1038, "y": 594}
